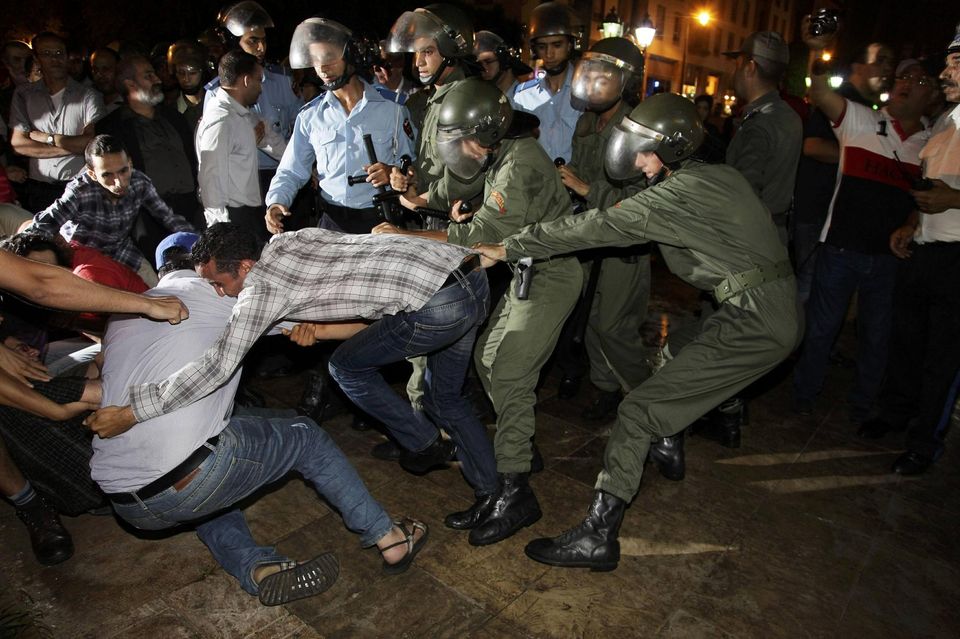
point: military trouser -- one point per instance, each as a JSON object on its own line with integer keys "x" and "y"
{"x": 734, "y": 348}
{"x": 616, "y": 352}
{"x": 514, "y": 347}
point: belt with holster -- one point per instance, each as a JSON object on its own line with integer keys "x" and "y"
{"x": 744, "y": 280}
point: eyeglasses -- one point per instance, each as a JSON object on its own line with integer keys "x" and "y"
{"x": 920, "y": 80}
{"x": 51, "y": 53}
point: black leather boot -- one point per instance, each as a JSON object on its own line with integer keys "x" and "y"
{"x": 569, "y": 387}
{"x": 593, "y": 544}
{"x": 723, "y": 423}
{"x": 471, "y": 517}
{"x": 667, "y": 453}
{"x": 436, "y": 455}
{"x": 514, "y": 507}
{"x": 604, "y": 406}
{"x": 50, "y": 540}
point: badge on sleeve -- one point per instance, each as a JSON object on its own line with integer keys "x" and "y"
{"x": 501, "y": 203}
{"x": 408, "y": 128}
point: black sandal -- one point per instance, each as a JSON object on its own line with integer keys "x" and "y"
{"x": 413, "y": 547}
{"x": 296, "y": 581}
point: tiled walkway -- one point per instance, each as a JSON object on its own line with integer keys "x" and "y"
{"x": 799, "y": 533}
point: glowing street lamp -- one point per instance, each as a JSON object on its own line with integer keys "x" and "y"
{"x": 612, "y": 26}
{"x": 703, "y": 17}
{"x": 645, "y": 33}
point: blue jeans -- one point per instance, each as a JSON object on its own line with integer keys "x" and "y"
{"x": 840, "y": 273}
{"x": 251, "y": 453}
{"x": 444, "y": 330}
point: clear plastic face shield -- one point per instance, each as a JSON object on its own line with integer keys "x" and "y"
{"x": 622, "y": 159}
{"x": 598, "y": 81}
{"x": 244, "y": 16}
{"x": 412, "y": 29}
{"x": 461, "y": 152}
{"x": 317, "y": 43}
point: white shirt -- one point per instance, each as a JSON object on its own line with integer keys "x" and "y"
{"x": 227, "y": 151}
{"x": 137, "y": 351}
{"x": 941, "y": 161}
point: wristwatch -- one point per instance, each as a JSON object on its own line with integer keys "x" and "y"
{"x": 50, "y": 139}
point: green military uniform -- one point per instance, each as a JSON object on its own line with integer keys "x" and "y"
{"x": 620, "y": 303}
{"x": 766, "y": 150}
{"x": 716, "y": 235}
{"x": 521, "y": 187}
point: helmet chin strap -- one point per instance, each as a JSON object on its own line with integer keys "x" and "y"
{"x": 488, "y": 161}
{"x": 659, "y": 177}
{"x": 447, "y": 62}
{"x": 557, "y": 70}
{"x": 342, "y": 80}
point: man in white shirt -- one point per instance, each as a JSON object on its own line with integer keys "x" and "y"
{"x": 227, "y": 140}
{"x": 920, "y": 387}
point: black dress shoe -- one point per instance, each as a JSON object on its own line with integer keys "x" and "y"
{"x": 667, "y": 453}
{"x": 569, "y": 387}
{"x": 472, "y": 516}
{"x": 912, "y": 463}
{"x": 603, "y": 407}
{"x": 514, "y": 507}
{"x": 387, "y": 450}
{"x": 50, "y": 540}
{"x": 436, "y": 455}
{"x": 594, "y": 544}
{"x": 877, "y": 428}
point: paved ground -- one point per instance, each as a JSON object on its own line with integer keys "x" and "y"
{"x": 799, "y": 533}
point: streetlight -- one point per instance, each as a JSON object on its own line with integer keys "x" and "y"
{"x": 612, "y": 26}
{"x": 703, "y": 17}
{"x": 645, "y": 34}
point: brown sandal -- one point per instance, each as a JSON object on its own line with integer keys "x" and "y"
{"x": 413, "y": 547}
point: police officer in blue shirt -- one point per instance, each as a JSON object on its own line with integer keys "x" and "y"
{"x": 244, "y": 25}
{"x": 553, "y": 33}
{"x": 330, "y": 129}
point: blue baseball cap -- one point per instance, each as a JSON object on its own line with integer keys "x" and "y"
{"x": 183, "y": 239}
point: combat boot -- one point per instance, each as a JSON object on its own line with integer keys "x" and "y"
{"x": 50, "y": 540}
{"x": 668, "y": 455}
{"x": 724, "y": 423}
{"x": 514, "y": 507}
{"x": 593, "y": 544}
{"x": 604, "y": 406}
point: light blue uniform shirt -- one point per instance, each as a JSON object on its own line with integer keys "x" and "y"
{"x": 558, "y": 119}
{"x": 324, "y": 132}
{"x": 278, "y": 106}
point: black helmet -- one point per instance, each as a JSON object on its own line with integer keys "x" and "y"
{"x": 241, "y": 17}
{"x": 189, "y": 53}
{"x": 666, "y": 124}
{"x": 554, "y": 18}
{"x": 446, "y": 24}
{"x": 319, "y": 41}
{"x": 604, "y": 72}
{"x": 488, "y": 41}
{"x": 475, "y": 110}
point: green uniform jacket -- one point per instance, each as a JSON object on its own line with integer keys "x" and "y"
{"x": 706, "y": 218}
{"x": 766, "y": 149}
{"x": 587, "y": 159}
{"x": 520, "y": 188}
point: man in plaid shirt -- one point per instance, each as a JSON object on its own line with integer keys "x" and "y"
{"x": 101, "y": 206}
{"x": 428, "y": 296}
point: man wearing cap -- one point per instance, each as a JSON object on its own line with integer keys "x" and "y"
{"x": 879, "y": 165}
{"x": 498, "y": 65}
{"x": 766, "y": 147}
{"x": 920, "y": 387}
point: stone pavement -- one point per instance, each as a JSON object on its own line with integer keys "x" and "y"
{"x": 802, "y": 532}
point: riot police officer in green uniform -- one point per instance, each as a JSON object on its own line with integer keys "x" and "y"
{"x": 618, "y": 279}
{"x": 479, "y": 135}
{"x": 715, "y": 234}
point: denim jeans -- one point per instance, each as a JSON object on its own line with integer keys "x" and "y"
{"x": 444, "y": 330}
{"x": 839, "y": 274}
{"x": 251, "y": 453}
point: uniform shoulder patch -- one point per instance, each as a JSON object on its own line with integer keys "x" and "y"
{"x": 501, "y": 202}
{"x": 408, "y": 128}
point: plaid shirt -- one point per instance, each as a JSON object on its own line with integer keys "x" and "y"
{"x": 311, "y": 275}
{"x": 102, "y": 221}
